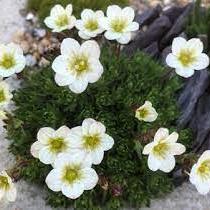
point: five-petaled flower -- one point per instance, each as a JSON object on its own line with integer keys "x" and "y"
{"x": 187, "y": 56}
{"x": 72, "y": 174}
{"x": 162, "y": 150}
{"x": 119, "y": 24}
{"x": 7, "y": 187}
{"x": 146, "y": 112}
{"x": 60, "y": 18}
{"x": 12, "y": 59}
{"x": 5, "y": 94}
{"x": 200, "y": 173}
{"x": 51, "y": 143}
{"x": 89, "y": 26}
{"x": 92, "y": 139}
{"x": 77, "y": 65}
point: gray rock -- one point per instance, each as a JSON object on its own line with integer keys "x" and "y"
{"x": 152, "y": 50}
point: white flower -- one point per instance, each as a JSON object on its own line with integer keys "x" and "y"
{"x": 162, "y": 150}
{"x": 93, "y": 140}
{"x": 77, "y": 65}
{"x": 187, "y": 56}
{"x": 200, "y": 173}
{"x": 5, "y": 94}
{"x": 51, "y": 143}
{"x": 11, "y": 59}
{"x": 72, "y": 174}
{"x": 146, "y": 112}
{"x": 60, "y": 18}
{"x": 119, "y": 24}
{"x": 3, "y": 115}
{"x": 7, "y": 187}
{"x": 89, "y": 25}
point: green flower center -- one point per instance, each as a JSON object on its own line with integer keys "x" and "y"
{"x": 204, "y": 170}
{"x": 4, "y": 183}
{"x": 186, "y": 57}
{"x": 118, "y": 25}
{"x": 2, "y": 96}
{"x": 7, "y": 61}
{"x": 57, "y": 145}
{"x": 160, "y": 149}
{"x": 79, "y": 64}
{"x": 91, "y": 142}
{"x": 91, "y": 25}
{"x": 143, "y": 113}
{"x": 71, "y": 174}
{"x": 62, "y": 20}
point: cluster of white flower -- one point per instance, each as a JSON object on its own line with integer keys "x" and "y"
{"x": 71, "y": 152}
{"x": 118, "y": 24}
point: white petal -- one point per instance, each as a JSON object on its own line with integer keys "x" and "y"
{"x": 79, "y": 85}
{"x": 90, "y": 178}
{"x": 46, "y": 156}
{"x": 96, "y": 71}
{"x": 195, "y": 45}
{"x": 53, "y": 180}
{"x": 57, "y": 10}
{"x": 69, "y": 46}
{"x": 59, "y": 66}
{"x": 35, "y": 148}
{"x": 87, "y": 14}
{"x": 134, "y": 26}
{"x": 20, "y": 63}
{"x": 194, "y": 179}
{"x": 161, "y": 134}
{"x": 172, "y": 61}
{"x": 125, "y": 38}
{"x": 91, "y": 48}
{"x": 113, "y": 11}
{"x": 2, "y": 194}
{"x": 148, "y": 148}
{"x": 99, "y": 14}
{"x": 112, "y": 35}
{"x": 86, "y": 124}
{"x": 204, "y": 156}
{"x": 44, "y": 134}
{"x": 7, "y": 73}
{"x": 173, "y": 137}
{"x": 63, "y": 131}
{"x": 97, "y": 128}
{"x": 79, "y": 25}
{"x": 63, "y": 80}
{"x": 153, "y": 162}
{"x": 107, "y": 142}
{"x": 69, "y": 9}
{"x": 167, "y": 164}
{"x": 49, "y": 22}
{"x": 202, "y": 62}
{"x": 97, "y": 156}
{"x": 74, "y": 190}
{"x": 178, "y": 44}
{"x": 152, "y": 116}
{"x": 184, "y": 72}
{"x": 83, "y": 35}
{"x": 12, "y": 193}
{"x": 203, "y": 188}
{"x": 104, "y": 23}
{"x": 72, "y": 21}
{"x": 177, "y": 149}
{"x": 128, "y": 13}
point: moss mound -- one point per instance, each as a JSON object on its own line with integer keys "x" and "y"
{"x": 43, "y": 7}
{"x": 126, "y": 83}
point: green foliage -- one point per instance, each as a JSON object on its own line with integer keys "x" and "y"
{"x": 42, "y": 7}
{"x": 126, "y": 83}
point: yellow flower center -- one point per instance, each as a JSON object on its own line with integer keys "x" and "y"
{"x": 143, "y": 113}
{"x": 79, "y": 64}
{"x": 71, "y": 174}
{"x": 204, "y": 170}
{"x": 186, "y": 57}
{"x": 91, "y": 142}
{"x": 7, "y": 61}
{"x": 160, "y": 149}
{"x": 4, "y": 183}
{"x": 91, "y": 25}
{"x": 62, "y": 20}
{"x": 57, "y": 145}
{"x": 2, "y": 96}
{"x": 118, "y": 25}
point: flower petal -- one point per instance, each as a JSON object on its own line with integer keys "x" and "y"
{"x": 173, "y": 137}
{"x": 53, "y": 180}
{"x": 153, "y": 162}
{"x": 35, "y": 148}
{"x": 83, "y": 35}
{"x": 63, "y": 80}
{"x": 11, "y": 194}
{"x": 74, "y": 190}
{"x": 91, "y": 48}
{"x": 202, "y": 62}
{"x": 46, "y": 156}
{"x": 185, "y": 72}
{"x": 195, "y": 45}
{"x": 59, "y": 66}
{"x": 79, "y": 85}
{"x": 90, "y": 178}
{"x": 134, "y": 26}
{"x": 87, "y": 14}
{"x": 203, "y": 188}
{"x": 97, "y": 156}
{"x": 57, "y": 10}
{"x": 161, "y": 134}
{"x": 171, "y": 60}
{"x": 112, "y": 35}
{"x": 69, "y": 9}
{"x": 205, "y": 156}
{"x": 128, "y": 13}
{"x": 97, "y": 128}
{"x": 177, "y": 44}
{"x": 86, "y": 124}
{"x": 49, "y": 22}
{"x": 96, "y": 71}
{"x": 44, "y": 134}
{"x": 107, "y": 142}
{"x": 63, "y": 131}
{"x": 125, "y": 38}
{"x": 167, "y": 164}
{"x": 69, "y": 46}
{"x": 177, "y": 149}
{"x": 148, "y": 148}
{"x": 113, "y": 11}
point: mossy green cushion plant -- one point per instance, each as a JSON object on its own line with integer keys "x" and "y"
{"x": 125, "y": 84}
{"x": 42, "y": 7}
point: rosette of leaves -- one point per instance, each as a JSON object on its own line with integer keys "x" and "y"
{"x": 42, "y": 7}
{"x": 126, "y": 83}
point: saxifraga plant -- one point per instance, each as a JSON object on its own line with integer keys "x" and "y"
{"x": 125, "y": 84}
